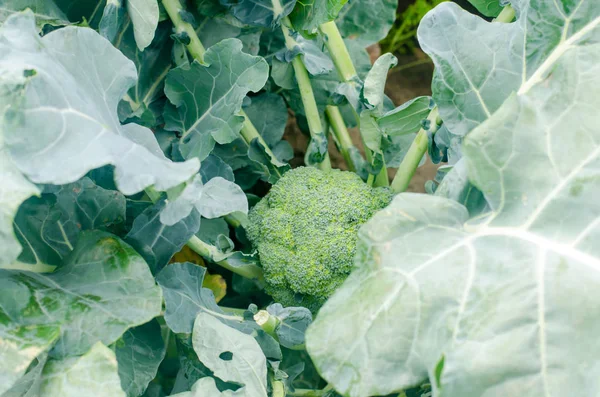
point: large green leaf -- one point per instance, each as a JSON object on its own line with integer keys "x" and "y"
{"x": 367, "y": 21}
{"x": 62, "y": 120}
{"x": 94, "y": 373}
{"x": 207, "y": 99}
{"x": 139, "y": 352}
{"x": 45, "y": 11}
{"x": 498, "y": 305}
{"x": 103, "y": 289}
{"x": 231, "y": 355}
{"x": 474, "y": 71}
{"x": 144, "y": 17}
{"x": 489, "y": 8}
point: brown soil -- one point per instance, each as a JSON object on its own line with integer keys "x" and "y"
{"x": 411, "y": 78}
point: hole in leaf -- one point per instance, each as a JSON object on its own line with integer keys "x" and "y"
{"x": 226, "y": 356}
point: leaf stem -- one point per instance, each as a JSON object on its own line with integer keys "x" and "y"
{"x": 278, "y": 389}
{"x": 208, "y": 252}
{"x": 30, "y": 267}
{"x": 506, "y": 15}
{"x": 415, "y": 153}
{"x": 267, "y": 322}
{"x": 306, "y": 93}
{"x": 195, "y": 47}
{"x": 341, "y": 133}
{"x": 347, "y": 72}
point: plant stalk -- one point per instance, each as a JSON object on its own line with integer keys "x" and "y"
{"x": 506, "y": 15}
{"x": 341, "y": 133}
{"x": 306, "y": 92}
{"x": 267, "y": 322}
{"x": 347, "y": 72}
{"x": 415, "y": 153}
{"x": 195, "y": 47}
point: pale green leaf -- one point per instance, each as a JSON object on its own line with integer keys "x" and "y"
{"x": 496, "y": 297}
{"x": 221, "y": 197}
{"x": 144, "y": 16}
{"x": 65, "y": 123}
{"x": 94, "y": 373}
{"x": 208, "y": 113}
{"x": 113, "y": 18}
{"x": 232, "y": 356}
{"x": 406, "y": 118}
{"x": 372, "y": 92}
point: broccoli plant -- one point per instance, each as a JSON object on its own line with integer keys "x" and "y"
{"x": 305, "y": 231}
{"x": 154, "y": 240}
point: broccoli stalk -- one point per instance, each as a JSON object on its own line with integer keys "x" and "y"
{"x": 317, "y": 133}
{"x": 305, "y": 231}
{"x": 343, "y": 63}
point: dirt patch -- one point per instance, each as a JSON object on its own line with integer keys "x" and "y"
{"x": 410, "y": 79}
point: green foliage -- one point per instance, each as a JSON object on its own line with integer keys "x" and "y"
{"x": 305, "y": 232}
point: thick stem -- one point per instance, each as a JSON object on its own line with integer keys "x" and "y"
{"x": 195, "y": 47}
{"x": 207, "y": 251}
{"x": 306, "y": 93}
{"x": 267, "y": 322}
{"x": 415, "y": 153}
{"x": 347, "y": 72}
{"x": 506, "y": 15}
{"x": 338, "y": 51}
{"x": 311, "y": 392}
{"x": 341, "y": 133}
{"x": 278, "y": 388}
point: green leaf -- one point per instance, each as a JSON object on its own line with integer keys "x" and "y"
{"x": 372, "y": 94}
{"x": 213, "y": 166}
{"x": 143, "y": 103}
{"x": 267, "y": 13}
{"x": 158, "y": 242}
{"x": 139, "y": 353}
{"x": 46, "y": 12}
{"x": 81, "y": 129}
{"x": 29, "y": 384}
{"x": 493, "y": 294}
{"x": 406, "y": 118}
{"x": 185, "y": 298}
{"x": 103, "y": 289}
{"x": 269, "y": 115}
{"x": 474, "y": 71}
{"x": 144, "y": 17}
{"x": 293, "y": 323}
{"x": 94, "y": 372}
{"x": 231, "y": 355}
{"x": 49, "y": 227}
{"x": 209, "y": 113}
{"x": 221, "y": 197}
{"x": 213, "y": 30}
{"x": 367, "y": 21}
{"x": 113, "y": 18}
{"x": 456, "y": 186}
{"x": 308, "y": 15}
{"x": 489, "y": 8}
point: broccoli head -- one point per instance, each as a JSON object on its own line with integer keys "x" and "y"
{"x": 305, "y": 231}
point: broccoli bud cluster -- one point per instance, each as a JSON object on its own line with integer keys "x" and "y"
{"x": 305, "y": 230}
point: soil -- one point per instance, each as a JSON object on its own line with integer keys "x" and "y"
{"x": 411, "y": 78}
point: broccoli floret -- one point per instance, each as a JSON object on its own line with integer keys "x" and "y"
{"x": 305, "y": 231}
